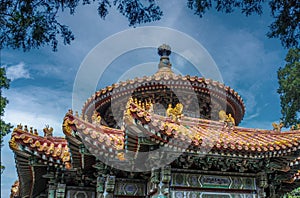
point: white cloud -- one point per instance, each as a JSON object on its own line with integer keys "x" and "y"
{"x": 36, "y": 120}
{"x": 252, "y": 116}
{"x": 17, "y": 71}
{"x": 37, "y": 106}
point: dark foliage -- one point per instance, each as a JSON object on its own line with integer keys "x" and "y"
{"x": 28, "y": 24}
{"x": 4, "y": 84}
{"x": 289, "y": 88}
{"x": 31, "y": 24}
{"x": 286, "y": 14}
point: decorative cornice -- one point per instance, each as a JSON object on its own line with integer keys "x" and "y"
{"x": 55, "y": 148}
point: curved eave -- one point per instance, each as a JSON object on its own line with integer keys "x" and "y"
{"x": 53, "y": 150}
{"x": 217, "y": 137}
{"x": 33, "y": 154}
{"x": 31, "y": 178}
{"x": 95, "y": 137}
{"x": 24, "y": 172}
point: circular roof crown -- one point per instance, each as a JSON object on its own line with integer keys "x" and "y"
{"x": 165, "y": 88}
{"x": 164, "y": 50}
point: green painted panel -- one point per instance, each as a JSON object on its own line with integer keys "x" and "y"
{"x": 193, "y": 180}
{"x": 212, "y": 181}
{"x": 208, "y": 181}
{"x": 249, "y": 183}
{"x": 197, "y": 194}
{"x": 130, "y": 188}
{"x": 179, "y": 180}
{"x": 237, "y": 183}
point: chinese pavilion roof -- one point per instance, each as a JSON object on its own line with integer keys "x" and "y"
{"x": 201, "y": 134}
{"x": 135, "y": 124}
{"x": 31, "y": 149}
{"x": 165, "y": 87}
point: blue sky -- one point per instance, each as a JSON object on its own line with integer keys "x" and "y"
{"x": 42, "y": 80}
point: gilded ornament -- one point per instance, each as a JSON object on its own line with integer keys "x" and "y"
{"x": 57, "y": 150}
{"x": 176, "y": 112}
{"x": 277, "y": 127}
{"x": 67, "y": 127}
{"x": 94, "y": 134}
{"x": 36, "y": 144}
{"x": 48, "y": 131}
{"x": 130, "y": 100}
{"x": 295, "y": 127}
{"x": 35, "y": 132}
{"x": 230, "y": 120}
{"x": 19, "y": 126}
{"x": 28, "y": 140}
{"x": 42, "y": 147}
{"x": 15, "y": 190}
{"x": 13, "y": 144}
{"x": 121, "y": 156}
{"x": 96, "y": 118}
{"x": 51, "y": 149}
{"x": 70, "y": 111}
{"x": 66, "y": 155}
{"x": 101, "y": 137}
{"x": 226, "y": 118}
{"x": 222, "y": 116}
{"x": 149, "y": 107}
{"x": 120, "y": 144}
{"x": 68, "y": 165}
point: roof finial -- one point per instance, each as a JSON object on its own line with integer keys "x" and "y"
{"x": 164, "y": 66}
{"x": 164, "y": 51}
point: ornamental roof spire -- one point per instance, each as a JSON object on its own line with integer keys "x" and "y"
{"x": 164, "y": 66}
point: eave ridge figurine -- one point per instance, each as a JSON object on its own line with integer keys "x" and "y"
{"x": 175, "y": 113}
{"x": 226, "y": 118}
{"x": 295, "y": 127}
{"x": 48, "y": 131}
{"x": 277, "y": 127}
